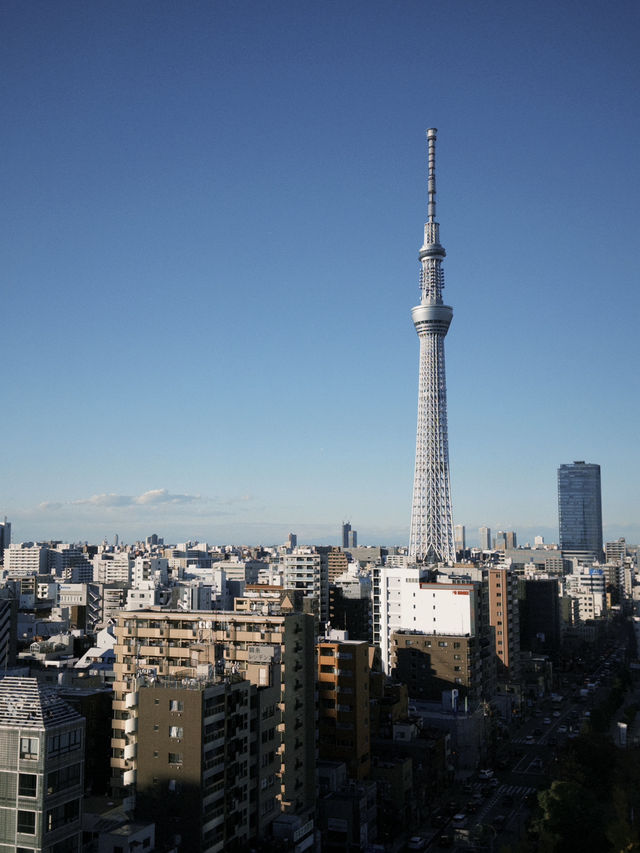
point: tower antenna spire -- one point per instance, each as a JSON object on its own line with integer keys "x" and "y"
{"x": 431, "y": 537}
{"x": 431, "y": 142}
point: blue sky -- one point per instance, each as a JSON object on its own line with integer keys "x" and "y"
{"x": 210, "y": 224}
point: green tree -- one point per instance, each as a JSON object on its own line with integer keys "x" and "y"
{"x": 571, "y": 819}
{"x": 621, "y": 835}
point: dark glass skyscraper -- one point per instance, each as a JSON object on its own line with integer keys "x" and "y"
{"x": 580, "y": 509}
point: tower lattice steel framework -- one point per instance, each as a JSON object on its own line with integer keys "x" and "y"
{"x": 431, "y": 538}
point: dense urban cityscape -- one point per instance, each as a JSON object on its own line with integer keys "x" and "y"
{"x": 316, "y": 536}
{"x": 345, "y": 697}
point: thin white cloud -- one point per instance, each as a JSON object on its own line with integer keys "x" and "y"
{"x": 162, "y": 496}
{"x": 153, "y": 497}
{"x": 106, "y": 500}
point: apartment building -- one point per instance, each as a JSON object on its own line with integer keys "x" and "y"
{"x": 430, "y": 664}
{"x": 343, "y": 704}
{"x": 206, "y": 766}
{"x": 305, "y": 570}
{"x": 25, "y": 558}
{"x": 112, "y": 568}
{"x": 271, "y": 650}
{"x": 504, "y": 618}
{"x": 402, "y": 601}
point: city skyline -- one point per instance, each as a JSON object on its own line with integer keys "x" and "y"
{"x": 209, "y": 233}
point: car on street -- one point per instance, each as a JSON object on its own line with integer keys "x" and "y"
{"x": 417, "y": 843}
{"x": 485, "y": 774}
{"x": 562, "y": 729}
{"x": 529, "y": 739}
{"x": 547, "y": 721}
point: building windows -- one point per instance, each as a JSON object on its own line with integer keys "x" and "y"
{"x": 175, "y": 758}
{"x": 176, "y": 705}
{"x": 61, "y": 815}
{"x": 176, "y": 731}
{"x": 63, "y": 778}
{"x": 443, "y": 644}
{"x": 456, "y": 645}
{"x": 64, "y": 742}
{"x": 27, "y": 784}
{"x": 29, "y": 747}
{"x": 26, "y": 822}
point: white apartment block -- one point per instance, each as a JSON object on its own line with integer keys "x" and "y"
{"x": 112, "y": 568}
{"x": 588, "y": 586}
{"x": 25, "y": 558}
{"x": 304, "y": 570}
{"x": 195, "y": 595}
{"x": 240, "y": 570}
{"x": 145, "y": 569}
{"x": 141, "y": 596}
{"x": 401, "y": 601}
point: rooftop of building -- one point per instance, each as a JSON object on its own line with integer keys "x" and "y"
{"x": 191, "y": 682}
{"x": 26, "y": 703}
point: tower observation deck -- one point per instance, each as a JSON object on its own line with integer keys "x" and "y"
{"x": 431, "y": 536}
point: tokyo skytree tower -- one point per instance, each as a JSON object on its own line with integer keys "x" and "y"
{"x": 431, "y": 538}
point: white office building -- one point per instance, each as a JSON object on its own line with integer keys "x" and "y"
{"x": 406, "y": 603}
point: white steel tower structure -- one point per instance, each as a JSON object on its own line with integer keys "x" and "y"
{"x": 431, "y": 538}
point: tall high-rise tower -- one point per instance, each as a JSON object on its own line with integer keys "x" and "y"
{"x": 431, "y": 538}
{"x": 580, "y": 510}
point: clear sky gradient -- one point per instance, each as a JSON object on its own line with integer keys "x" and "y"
{"x": 211, "y": 214}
